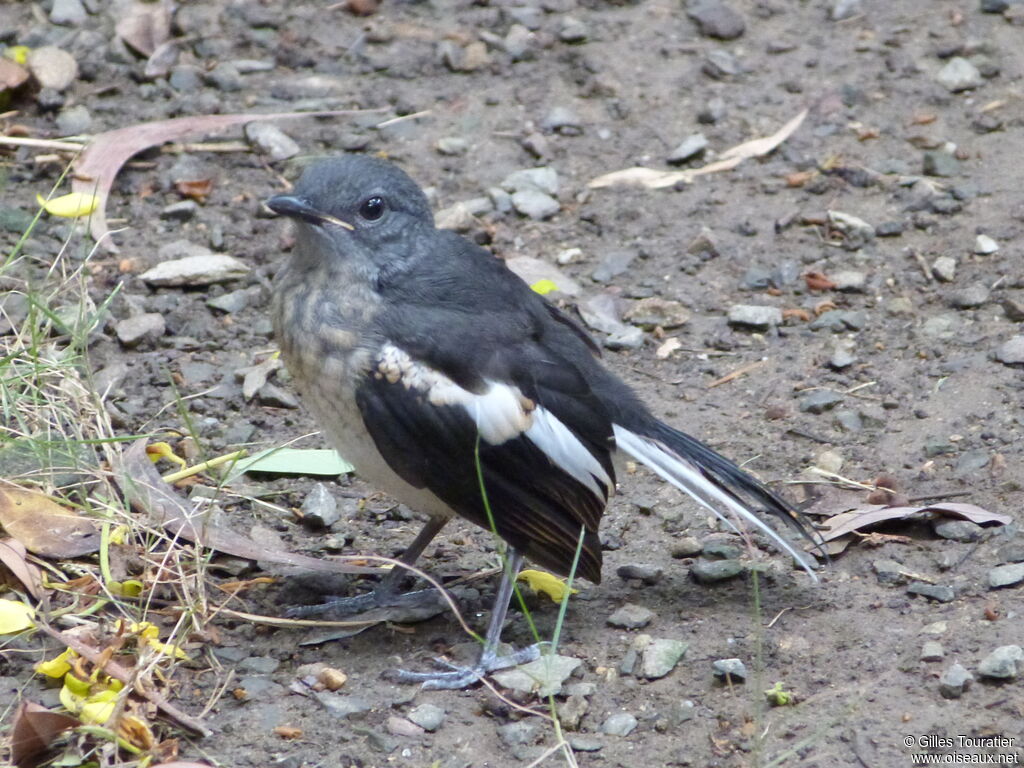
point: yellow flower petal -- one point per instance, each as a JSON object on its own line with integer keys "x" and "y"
{"x": 157, "y": 451}
{"x": 99, "y": 707}
{"x": 546, "y": 583}
{"x": 168, "y": 649}
{"x": 544, "y": 287}
{"x": 18, "y": 53}
{"x": 70, "y": 206}
{"x": 15, "y": 617}
{"x": 126, "y": 588}
{"x": 58, "y": 666}
{"x": 120, "y": 534}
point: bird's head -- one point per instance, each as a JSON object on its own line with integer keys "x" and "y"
{"x": 359, "y": 209}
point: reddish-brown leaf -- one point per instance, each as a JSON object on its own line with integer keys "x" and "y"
{"x": 33, "y": 731}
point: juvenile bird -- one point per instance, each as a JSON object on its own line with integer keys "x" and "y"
{"x": 451, "y": 385}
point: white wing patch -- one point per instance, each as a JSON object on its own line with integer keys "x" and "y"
{"x": 567, "y": 452}
{"x": 501, "y": 413}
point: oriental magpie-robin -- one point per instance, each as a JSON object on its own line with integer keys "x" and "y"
{"x": 443, "y": 378}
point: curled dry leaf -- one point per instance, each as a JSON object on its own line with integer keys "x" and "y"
{"x": 194, "y": 189}
{"x": 13, "y": 557}
{"x": 45, "y": 528}
{"x": 655, "y": 179}
{"x": 98, "y": 165}
{"x": 857, "y": 520}
{"x": 33, "y": 731}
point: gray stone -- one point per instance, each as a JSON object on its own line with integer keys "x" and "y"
{"x": 271, "y": 140}
{"x": 185, "y": 78}
{"x": 631, "y": 616}
{"x": 890, "y": 229}
{"x": 561, "y": 119}
{"x": 940, "y": 163}
{"x": 427, "y": 716}
{"x": 720, "y": 64}
{"x": 134, "y": 330}
{"x": 842, "y": 355}
{"x": 944, "y": 269}
{"x": 688, "y": 546}
{"x": 656, "y": 312}
{"x": 225, "y": 77}
{"x": 716, "y": 19}
{"x": 959, "y": 75}
{"x": 754, "y": 316}
{"x": 1011, "y": 352}
{"x": 819, "y": 400}
{"x": 729, "y": 670}
{"x": 629, "y": 338}
{"x": 183, "y": 210}
{"x": 320, "y": 508}
{"x": 585, "y": 744}
{"x": 849, "y": 281}
{"x": 619, "y": 724}
{"x": 856, "y": 232}
{"x": 521, "y": 732}
{"x": 259, "y": 665}
{"x": 52, "y": 67}
{"x": 721, "y": 550}
{"x": 1004, "y": 663}
{"x": 520, "y": 42}
{"x": 970, "y": 462}
{"x": 230, "y": 302}
{"x": 689, "y": 148}
{"x": 543, "y": 179}
{"x": 69, "y": 13}
{"x": 711, "y": 571}
{"x": 572, "y": 30}
{"x": 274, "y": 396}
{"x": 543, "y": 676}
{"x": 889, "y": 571}
{"x": 1014, "y": 309}
{"x": 535, "y": 204}
{"x": 845, "y": 9}
{"x": 1006, "y": 575}
{"x": 954, "y": 682}
{"x": 74, "y": 121}
{"x": 196, "y": 270}
{"x": 985, "y": 245}
{"x": 340, "y": 705}
{"x": 452, "y": 145}
{"x": 613, "y": 263}
{"x": 944, "y": 326}
{"x": 971, "y": 297}
{"x": 531, "y": 270}
{"x": 660, "y": 657}
{"x": 936, "y": 592}
{"x": 932, "y": 650}
{"x": 1008, "y": 553}
{"x": 648, "y": 574}
{"x": 848, "y": 421}
{"x": 957, "y": 530}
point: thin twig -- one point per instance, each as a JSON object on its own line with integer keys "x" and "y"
{"x": 741, "y": 371}
{"x": 23, "y": 141}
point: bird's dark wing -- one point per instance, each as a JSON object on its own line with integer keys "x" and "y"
{"x": 456, "y": 379}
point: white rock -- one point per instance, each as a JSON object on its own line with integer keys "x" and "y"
{"x": 944, "y": 269}
{"x": 52, "y": 67}
{"x": 985, "y": 245}
{"x": 959, "y": 75}
{"x": 196, "y": 270}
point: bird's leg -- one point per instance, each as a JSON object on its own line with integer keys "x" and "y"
{"x": 459, "y": 677}
{"x": 386, "y": 593}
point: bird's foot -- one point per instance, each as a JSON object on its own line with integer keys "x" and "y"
{"x": 341, "y": 607}
{"x": 457, "y": 677}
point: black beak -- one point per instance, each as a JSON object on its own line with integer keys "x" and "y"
{"x": 297, "y": 207}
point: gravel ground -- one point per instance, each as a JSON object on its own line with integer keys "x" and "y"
{"x": 867, "y": 275}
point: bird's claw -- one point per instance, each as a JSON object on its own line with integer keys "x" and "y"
{"x": 457, "y": 677}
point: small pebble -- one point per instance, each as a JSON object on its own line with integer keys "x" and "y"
{"x": 690, "y": 147}
{"x": 660, "y": 657}
{"x": 932, "y": 650}
{"x": 959, "y": 75}
{"x": 688, "y": 546}
{"x": 985, "y": 245}
{"x": 272, "y": 141}
{"x": 320, "y": 508}
{"x": 562, "y": 120}
{"x": 818, "y": 401}
{"x": 1006, "y": 575}
{"x": 631, "y": 616}
{"x": 427, "y": 716}
{"x": 711, "y": 571}
{"x": 729, "y": 670}
{"x": 937, "y": 592}
{"x": 944, "y": 269}
{"x": 716, "y": 19}
{"x": 619, "y": 724}
{"x": 452, "y": 145}
{"x": 132, "y": 331}
{"x": 52, "y": 67}
{"x": 954, "y": 682}
{"x": 573, "y": 30}
{"x": 648, "y": 574}
{"x": 754, "y": 316}
{"x": 69, "y": 13}
{"x": 940, "y": 163}
{"x": 957, "y": 530}
{"x": 1011, "y": 352}
{"x": 1004, "y": 663}
{"x": 971, "y": 297}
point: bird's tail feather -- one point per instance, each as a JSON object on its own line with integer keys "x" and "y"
{"x": 712, "y": 480}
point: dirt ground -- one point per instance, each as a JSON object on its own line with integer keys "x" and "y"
{"x": 928, "y": 394}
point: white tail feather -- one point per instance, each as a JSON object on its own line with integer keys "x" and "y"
{"x": 684, "y": 476}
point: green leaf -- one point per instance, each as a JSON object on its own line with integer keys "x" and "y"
{"x": 294, "y": 461}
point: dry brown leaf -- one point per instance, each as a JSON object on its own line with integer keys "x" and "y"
{"x": 655, "y": 179}
{"x": 817, "y": 281}
{"x": 145, "y": 27}
{"x": 864, "y": 517}
{"x": 194, "y": 189}
{"x": 147, "y": 492}
{"x": 98, "y": 165}
{"x": 288, "y": 732}
{"x": 45, "y": 528}
{"x": 12, "y": 555}
{"x": 33, "y": 731}
{"x": 12, "y": 75}
{"x": 799, "y": 178}
{"x": 667, "y": 347}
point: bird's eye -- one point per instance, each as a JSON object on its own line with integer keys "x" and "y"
{"x": 372, "y": 209}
